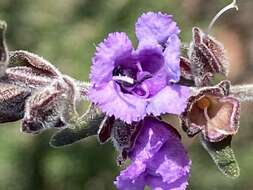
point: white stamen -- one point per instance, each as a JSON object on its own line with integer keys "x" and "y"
{"x": 208, "y": 121}
{"x": 206, "y": 115}
{"x": 123, "y": 79}
{"x": 208, "y": 118}
{"x": 226, "y": 8}
{"x": 139, "y": 66}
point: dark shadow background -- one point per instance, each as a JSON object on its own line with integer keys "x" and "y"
{"x": 65, "y": 32}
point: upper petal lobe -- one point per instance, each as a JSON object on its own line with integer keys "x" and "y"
{"x": 115, "y": 47}
{"x": 156, "y": 26}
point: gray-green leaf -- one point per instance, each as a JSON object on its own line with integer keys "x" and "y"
{"x": 87, "y": 127}
{"x": 223, "y": 156}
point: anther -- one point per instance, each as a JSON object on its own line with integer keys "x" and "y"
{"x": 123, "y": 79}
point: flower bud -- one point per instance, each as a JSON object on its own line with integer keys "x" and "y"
{"x": 213, "y": 112}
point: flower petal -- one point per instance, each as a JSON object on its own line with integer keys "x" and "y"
{"x": 193, "y": 118}
{"x": 150, "y": 56}
{"x": 124, "y": 183}
{"x": 213, "y": 112}
{"x": 155, "y": 26}
{"x": 112, "y": 101}
{"x": 158, "y": 159}
{"x": 151, "y": 59}
{"x": 156, "y": 83}
{"x": 172, "y": 58}
{"x": 115, "y": 47}
{"x": 156, "y": 183}
{"x": 150, "y": 139}
{"x": 169, "y": 167}
{"x": 224, "y": 116}
{"x": 171, "y": 164}
{"x": 164, "y": 101}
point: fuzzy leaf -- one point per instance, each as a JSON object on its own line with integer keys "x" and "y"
{"x": 223, "y": 156}
{"x": 26, "y": 77}
{"x": 28, "y": 59}
{"x": 69, "y": 136}
{"x": 88, "y": 127}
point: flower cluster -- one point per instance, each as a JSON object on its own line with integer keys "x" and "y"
{"x": 134, "y": 86}
{"x": 130, "y": 90}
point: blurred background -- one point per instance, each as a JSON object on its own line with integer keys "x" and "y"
{"x": 66, "y": 32}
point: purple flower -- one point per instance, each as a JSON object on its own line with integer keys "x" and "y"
{"x": 130, "y": 84}
{"x": 159, "y": 160}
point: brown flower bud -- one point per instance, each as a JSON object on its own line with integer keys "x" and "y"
{"x": 213, "y": 112}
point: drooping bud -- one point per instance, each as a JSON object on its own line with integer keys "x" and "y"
{"x": 213, "y": 112}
